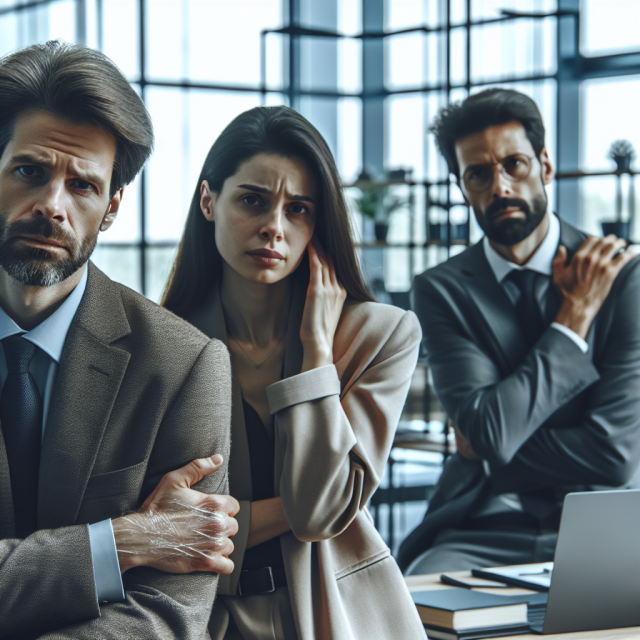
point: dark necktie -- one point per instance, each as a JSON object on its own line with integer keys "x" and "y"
{"x": 21, "y": 420}
{"x": 541, "y": 503}
{"x": 527, "y": 308}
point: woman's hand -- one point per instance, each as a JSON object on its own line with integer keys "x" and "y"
{"x": 322, "y": 309}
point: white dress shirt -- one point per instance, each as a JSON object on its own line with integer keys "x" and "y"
{"x": 541, "y": 262}
{"x": 49, "y": 338}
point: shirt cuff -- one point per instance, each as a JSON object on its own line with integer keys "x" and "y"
{"x": 304, "y": 387}
{"x": 584, "y": 347}
{"x": 106, "y": 568}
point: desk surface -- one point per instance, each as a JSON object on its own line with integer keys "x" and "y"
{"x": 432, "y": 581}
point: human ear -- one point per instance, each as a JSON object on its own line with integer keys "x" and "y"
{"x": 547, "y": 171}
{"x": 207, "y": 201}
{"x": 112, "y": 211}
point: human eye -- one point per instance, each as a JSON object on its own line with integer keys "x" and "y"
{"x": 29, "y": 171}
{"x": 82, "y": 185}
{"x": 297, "y": 209}
{"x": 478, "y": 175}
{"x": 251, "y": 199}
{"x": 516, "y": 165}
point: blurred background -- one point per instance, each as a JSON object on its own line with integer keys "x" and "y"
{"x": 370, "y": 75}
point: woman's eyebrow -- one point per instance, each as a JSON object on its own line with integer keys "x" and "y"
{"x": 253, "y": 187}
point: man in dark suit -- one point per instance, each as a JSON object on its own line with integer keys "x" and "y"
{"x": 103, "y": 394}
{"x": 533, "y": 339}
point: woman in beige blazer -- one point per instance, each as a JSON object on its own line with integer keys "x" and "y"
{"x": 268, "y": 265}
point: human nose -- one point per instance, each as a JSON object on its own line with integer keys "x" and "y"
{"x": 501, "y": 185}
{"x": 50, "y": 203}
{"x": 272, "y": 229}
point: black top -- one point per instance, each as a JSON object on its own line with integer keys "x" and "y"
{"x": 262, "y": 455}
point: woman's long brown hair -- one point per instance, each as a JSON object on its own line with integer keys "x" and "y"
{"x": 275, "y": 130}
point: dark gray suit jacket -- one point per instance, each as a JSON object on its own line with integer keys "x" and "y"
{"x": 139, "y": 393}
{"x": 547, "y": 418}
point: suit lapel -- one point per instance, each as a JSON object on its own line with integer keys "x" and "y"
{"x": 91, "y": 371}
{"x": 7, "y": 516}
{"x": 571, "y": 238}
{"x": 493, "y": 310}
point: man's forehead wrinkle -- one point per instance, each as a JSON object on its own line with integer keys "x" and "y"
{"x": 493, "y": 144}
{"x": 51, "y": 156}
{"x": 49, "y": 133}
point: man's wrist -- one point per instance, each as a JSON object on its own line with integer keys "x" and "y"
{"x": 576, "y": 316}
{"x": 122, "y": 535}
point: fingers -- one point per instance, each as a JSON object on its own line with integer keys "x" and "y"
{"x": 195, "y": 471}
{"x": 598, "y": 255}
{"x": 315, "y": 265}
{"x": 184, "y": 477}
{"x": 218, "y": 502}
{"x": 217, "y": 564}
{"x": 560, "y": 259}
{"x": 326, "y": 272}
{"x": 585, "y": 256}
{"x": 610, "y": 246}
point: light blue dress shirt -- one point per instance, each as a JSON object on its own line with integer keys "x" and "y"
{"x": 49, "y": 336}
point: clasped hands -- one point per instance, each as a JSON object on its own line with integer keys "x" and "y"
{"x": 179, "y": 529}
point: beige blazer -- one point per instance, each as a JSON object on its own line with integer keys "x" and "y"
{"x": 139, "y": 393}
{"x": 333, "y": 430}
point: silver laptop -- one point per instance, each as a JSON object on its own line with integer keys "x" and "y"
{"x": 595, "y": 582}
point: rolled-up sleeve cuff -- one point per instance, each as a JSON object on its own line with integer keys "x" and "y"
{"x": 106, "y": 568}
{"x": 584, "y": 347}
{"x": 307, "y": 386}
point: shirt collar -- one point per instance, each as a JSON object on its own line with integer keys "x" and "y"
{"x": 541, "y": 261}
{"x": 51, "y": 333}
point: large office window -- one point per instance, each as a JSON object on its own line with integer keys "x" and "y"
{"x": 198, "y": 63}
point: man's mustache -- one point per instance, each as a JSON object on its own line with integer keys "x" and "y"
{"x": 39, "y": 227}
{"x": 503, "y": 203}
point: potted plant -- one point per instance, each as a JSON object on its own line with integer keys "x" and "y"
{"x": 622, "y": 153}
{"x": 378, "y": 204}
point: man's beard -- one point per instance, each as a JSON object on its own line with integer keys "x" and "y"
{"x": 39, "y": 267}
{"x": 510, "y": 231}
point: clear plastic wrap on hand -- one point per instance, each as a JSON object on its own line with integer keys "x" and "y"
{"x": 176, "y": 531}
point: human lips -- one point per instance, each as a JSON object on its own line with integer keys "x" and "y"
{"x": 506, "y": 213}
{"x": 41, "y": 240}
{"x": 266, "y": 257}
{"x": 505, "y": 208}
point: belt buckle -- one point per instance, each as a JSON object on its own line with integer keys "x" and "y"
{"x": 270, "y": 590}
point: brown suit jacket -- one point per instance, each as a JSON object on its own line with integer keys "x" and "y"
{"x": 333, "y": 430}
{"x": 139, "y": 392}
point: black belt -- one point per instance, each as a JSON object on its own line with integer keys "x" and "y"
{"x": 264, "y": 580}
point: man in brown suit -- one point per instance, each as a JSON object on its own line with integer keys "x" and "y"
{"x": 102, "y": 393}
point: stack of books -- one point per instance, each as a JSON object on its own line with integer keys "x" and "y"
{"x": 461, "y": 614}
